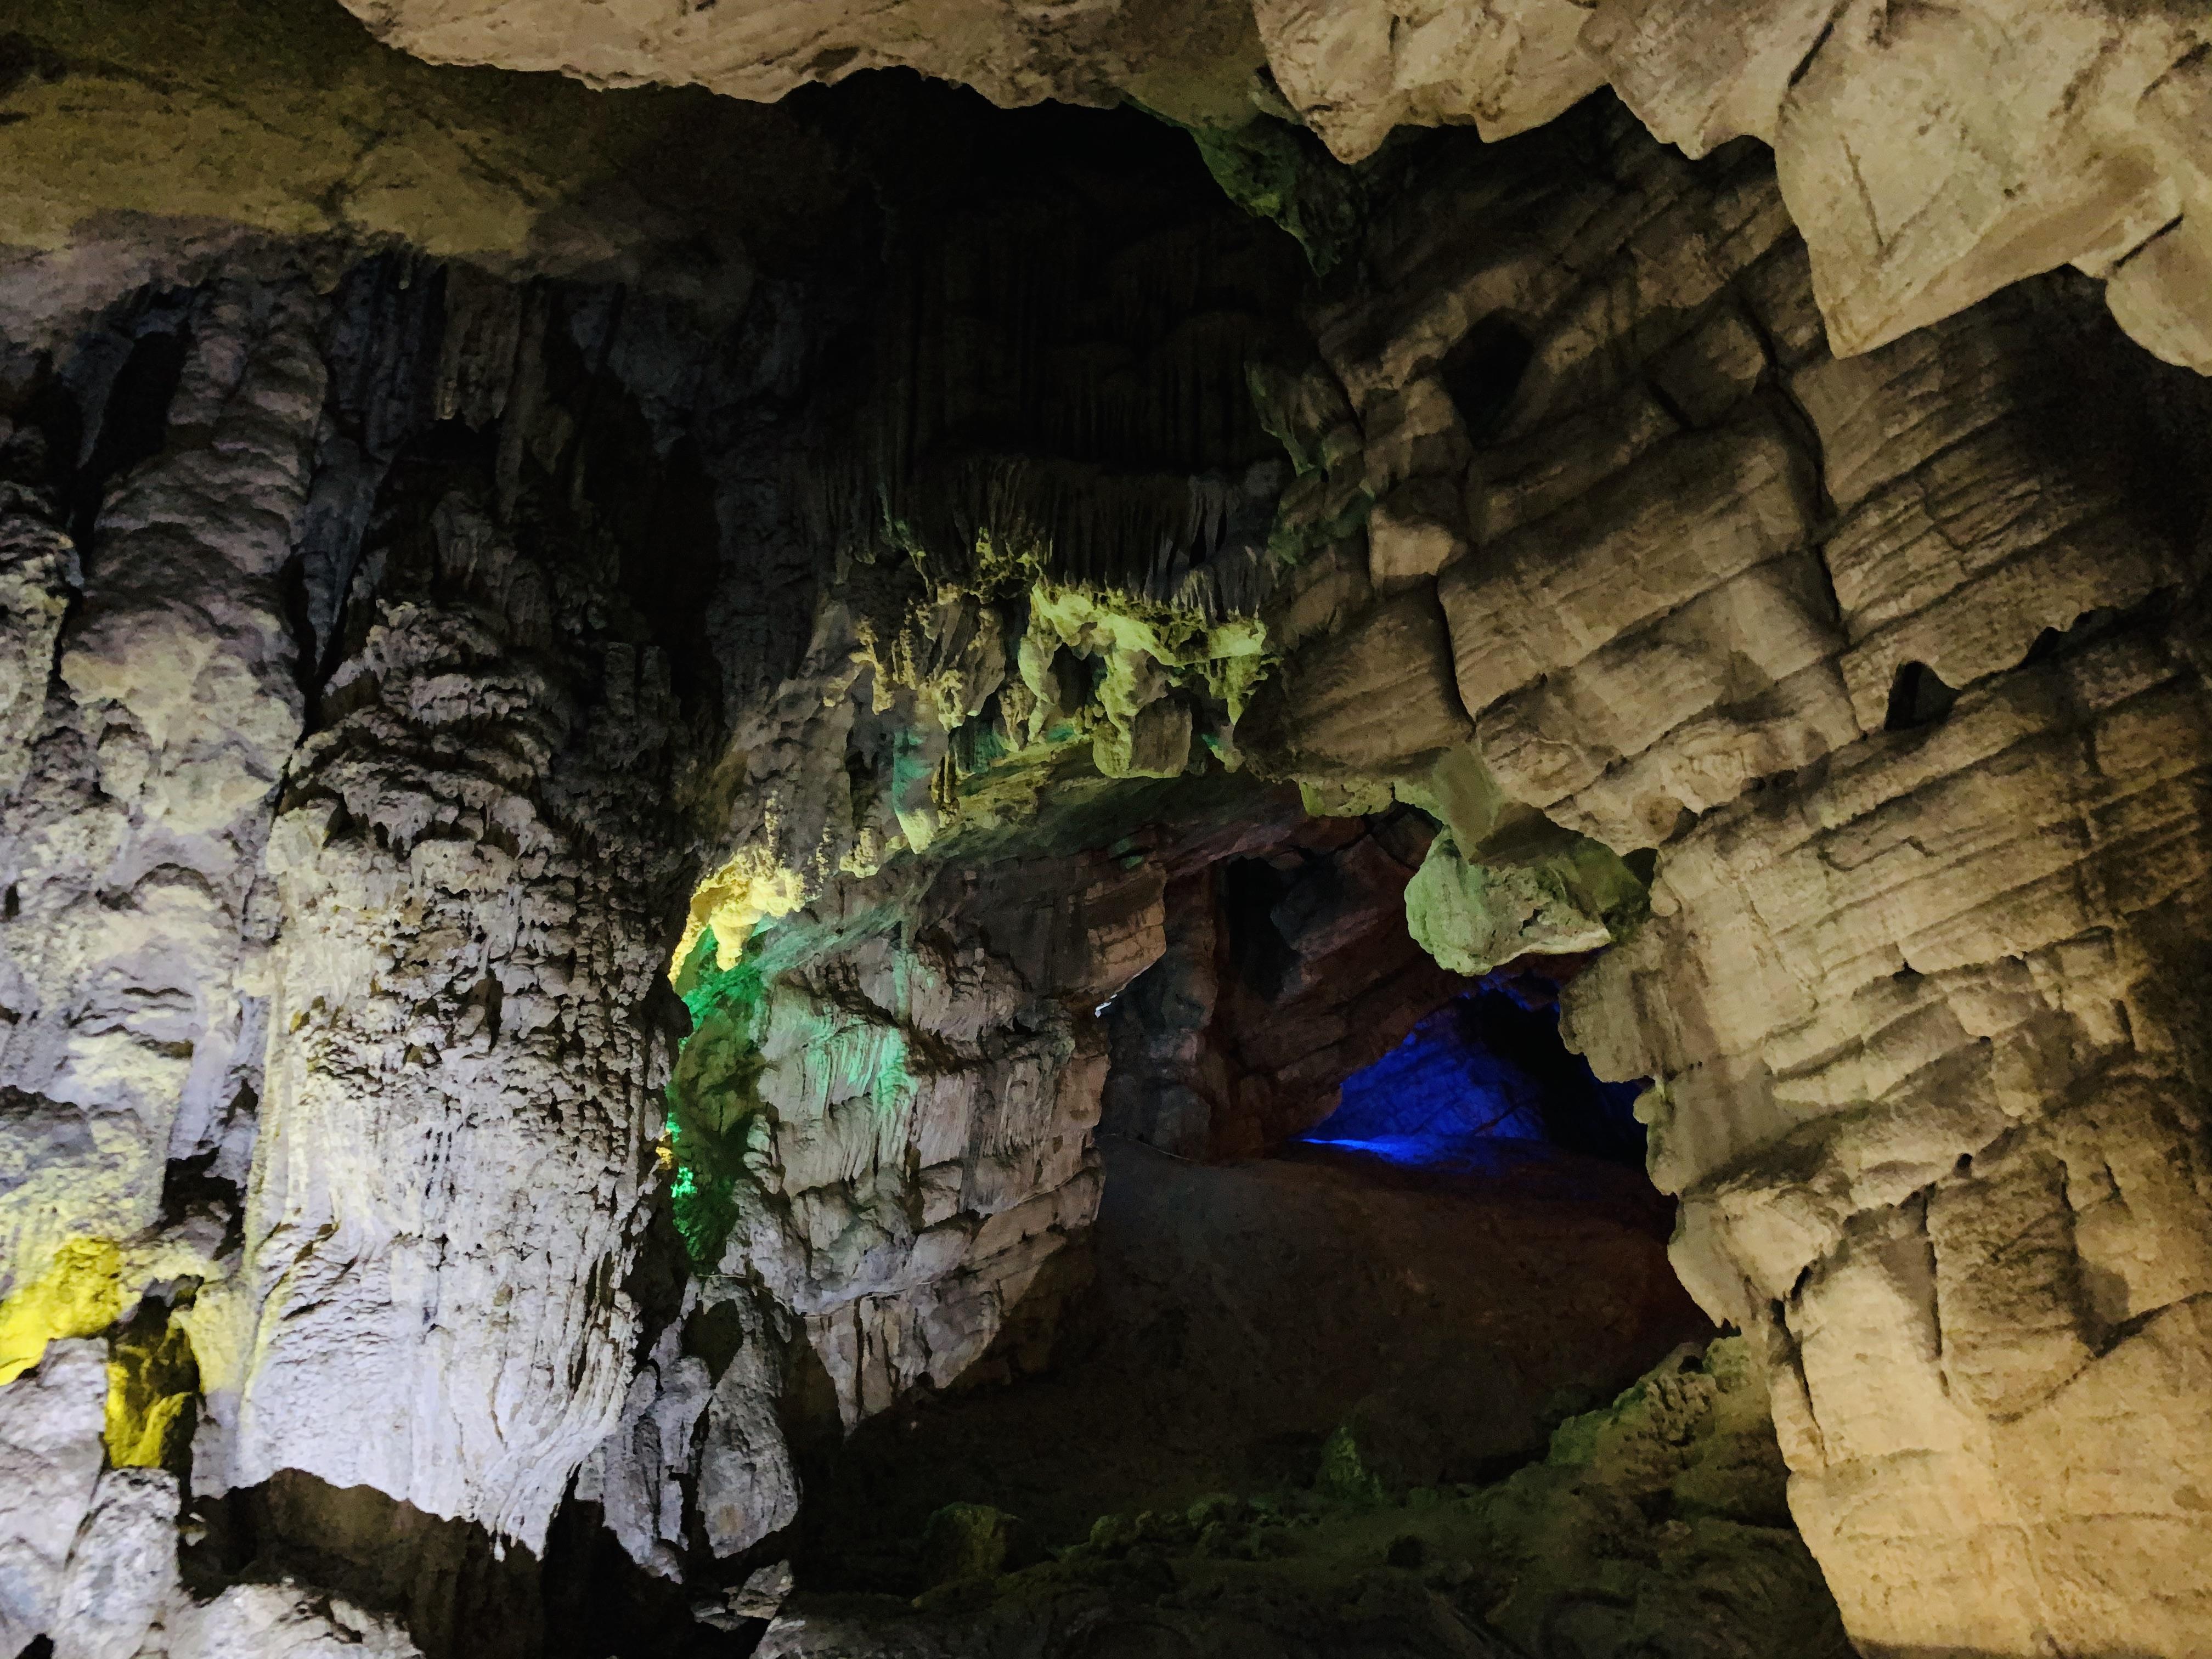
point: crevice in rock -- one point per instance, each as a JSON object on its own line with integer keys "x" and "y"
{"x": 1917, "y": 696}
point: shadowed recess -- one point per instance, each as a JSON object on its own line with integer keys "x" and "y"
{"x": 1482, "y": 1081}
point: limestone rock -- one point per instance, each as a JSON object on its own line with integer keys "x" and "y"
{"x": 50, "y": 1454}
{"x": 518, "y": 174}
{"x": 748, "y": 1484}
{"x": 1190, "y": 65}
{"x": 1276, "y": 983}
{"x": 1889, "y": 667}
{"x": 1857, "y": 1182}
{"x": 282, "y": 1621}
{"x": 1374, "y": 699}
{"x": 1471, "y": 917}
{"x": 1355, "y": 71}
{"x": 133, "y": 840}
{"x": 478, "y": 797}
{"x": 1414, "y": 533}
{"x": 643, "y": 1465}
{"x": 122, "y": 1570}
{"x": 38, "y": 570}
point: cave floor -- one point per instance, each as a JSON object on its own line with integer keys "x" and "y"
{"x": 1240, "y": 1314}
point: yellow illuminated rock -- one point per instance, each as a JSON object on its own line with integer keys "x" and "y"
{"x": 152, "y": 1384}
{"x": 80, "y": 1295}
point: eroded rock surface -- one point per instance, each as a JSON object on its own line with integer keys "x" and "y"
{"x": 904, "y": 634}
{"x": 1929, "y": 159}
{"x": 1284, "y": 970}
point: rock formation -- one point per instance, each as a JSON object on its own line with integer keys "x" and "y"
{"x": 629, "y": 720}
{"x": 1928, "y": 159}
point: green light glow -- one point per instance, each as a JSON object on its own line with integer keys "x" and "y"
{"x": 712, "y": 1097}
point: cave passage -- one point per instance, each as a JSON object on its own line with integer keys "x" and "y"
{"x": 1483, "y": 1082}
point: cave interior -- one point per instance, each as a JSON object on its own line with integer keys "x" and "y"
{"x": 1208, "y": 832}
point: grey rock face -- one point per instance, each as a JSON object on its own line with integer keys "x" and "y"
{"x": 281, "y": 1621}
{"x": 485, "y": 993}
{"x": 50, "y": 1456}
{"x": 122, "y": 1575}
{"x": 135, "y": 930}
{"x": 747, "y": 1482}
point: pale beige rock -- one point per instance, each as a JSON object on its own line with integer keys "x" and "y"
{"x": 2160, "y": 293}
{"x": 1888, "y": 1058}
{"x": 1414, "y": 532}
{"x": 1904, "y": 995}
{"x": 1931, "y": 158}
{"x": 1377, "y": 698}
{"x": 2020, "y": 158}
{"x": 1354, "y": 71}
{"x": 1679, "y": 716}
{"x": 1545, "y": 598}
{"x": 1191, "y": 63}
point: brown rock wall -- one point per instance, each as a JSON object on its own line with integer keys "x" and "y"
{"x": 1888, "y": 658}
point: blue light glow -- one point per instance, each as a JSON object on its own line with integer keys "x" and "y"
{"x": 1480, "y": 1085}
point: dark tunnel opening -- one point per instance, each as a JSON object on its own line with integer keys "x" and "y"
{"x": 1483, "y": 1080}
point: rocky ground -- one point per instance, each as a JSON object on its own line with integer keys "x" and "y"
{"x": 1240, "y": 1314}
{"x": 1656, "y": 1524}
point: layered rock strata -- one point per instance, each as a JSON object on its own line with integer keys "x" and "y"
{"x": 1911, "y": 990}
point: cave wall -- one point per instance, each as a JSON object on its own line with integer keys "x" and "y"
{"x": 1285, "y": 967}
{"x": 394, "y": 646}
{"x": 1911, "y": 993}
{"x": 341, "y": 1061}
{"x": 334, "y": 1067}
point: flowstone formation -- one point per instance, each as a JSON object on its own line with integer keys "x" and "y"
{"x": 630, "y": 721}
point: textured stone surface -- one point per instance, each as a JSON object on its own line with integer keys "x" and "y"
{"x": 1355, "y": 71}
{"x": 349, "y": 1051}
{"x": 289, "y": 121}
{"x": 137, "y": 920}
{"x": 495, "y": 983}
{"x": 122, "y": 1576}
{"x": 1939, "y": 1147}
{"x": 279, "y": 1621}
{"x": 917, "y": 1124}
{"x": 50, "y": 1455}
{"x": 1283, "y": 972}
{"x": 1929, "y": 160}
{"x": 1908, "y": 988}
{"x": 1190, "y": 62}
